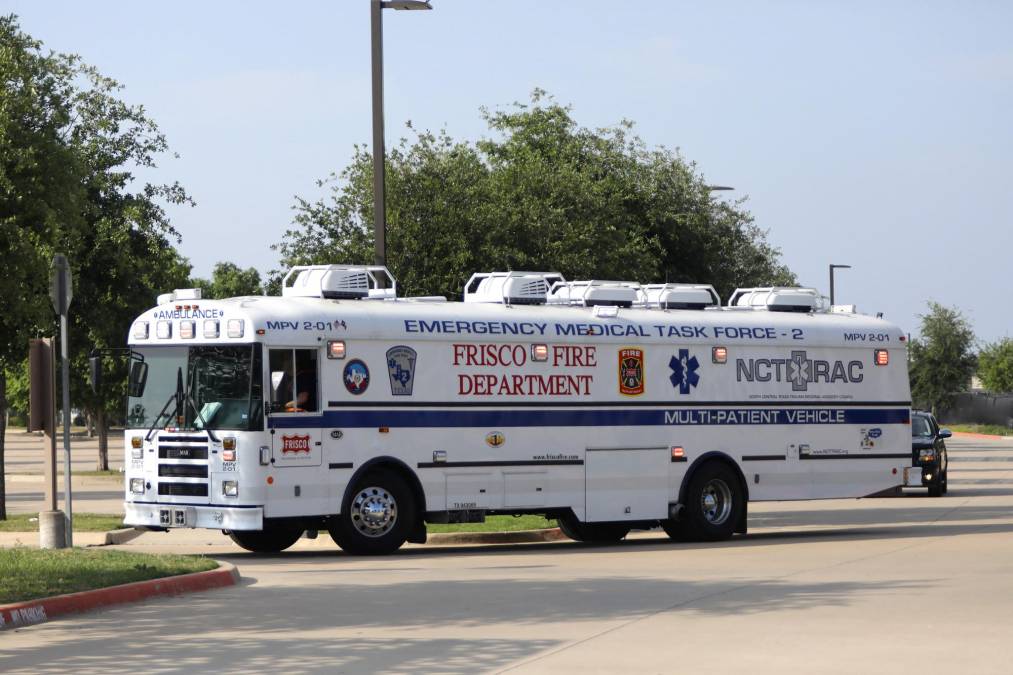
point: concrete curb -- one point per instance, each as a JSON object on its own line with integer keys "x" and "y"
{"x": 122, "y": 536}
{"x": 516, "y": 537}
{"x": 21, "y": 614}
{"x": 991, "y": 437}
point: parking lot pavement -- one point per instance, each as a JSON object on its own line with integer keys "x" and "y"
{"x": 23, "y": 464}
{"x": 912, "y": 584}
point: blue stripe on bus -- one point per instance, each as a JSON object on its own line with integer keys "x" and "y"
{"x": 588, "y": 418}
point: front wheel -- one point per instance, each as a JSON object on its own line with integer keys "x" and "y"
{"x": 377, "y": 518}
{"x": 272, "y": 539}
{"x": 597, "y": 533}
{"x": 714, "y": 504}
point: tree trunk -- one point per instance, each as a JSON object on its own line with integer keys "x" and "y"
{"x": 103, "y": 440}
{"x": 3, "y": 433}
{"x": 90, "y": 421}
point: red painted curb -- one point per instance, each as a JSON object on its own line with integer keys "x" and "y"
{"x": 21, "y": 614}
{"x": 970, "y": 434}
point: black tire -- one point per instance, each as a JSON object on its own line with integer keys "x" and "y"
{"x": 272, "y": 539}
{"x": 592, "y": 533}
{"x": 714, "y": 504}
{"x": 936, "y": 487}
{"x": 946, "y": 482}
{"x": 378, "y": 517}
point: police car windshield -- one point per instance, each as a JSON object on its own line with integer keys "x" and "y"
{"x": 222, "y": 385}
{"x": 920, "y": 426}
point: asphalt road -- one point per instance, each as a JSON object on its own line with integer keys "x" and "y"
{"x": 911, "y": 584}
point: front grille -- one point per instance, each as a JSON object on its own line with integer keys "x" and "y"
{"x": 190, "y": 449}
{"x": 183, "y": 489}
{"x": 183, "y": 470}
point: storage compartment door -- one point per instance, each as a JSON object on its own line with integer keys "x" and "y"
{"x": 626, "y": 484}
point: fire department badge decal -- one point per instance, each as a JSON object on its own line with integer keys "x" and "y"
{"x": 401, "y": 368}
{"x": 356, "y": 377}
{"x": 631, "y": 371}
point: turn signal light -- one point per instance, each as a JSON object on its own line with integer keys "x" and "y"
{"x": 229, "y": 443}
{"x": 882, "y": 357}
{"x": 719, "y": 355}
{"x": 678, "y": 452}
{"x": 539, "y": 352}
{"x": 228, "y": 455}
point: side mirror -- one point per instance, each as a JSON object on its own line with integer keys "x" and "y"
{"x": 137, "y": 378}
{"x": 945, "y": 433}
{"x": 95, "y": 364}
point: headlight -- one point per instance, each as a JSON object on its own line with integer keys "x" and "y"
{"x": 927, "y": 455}
{"x": 230, "y": 488}
{"x": 137, "y": 486}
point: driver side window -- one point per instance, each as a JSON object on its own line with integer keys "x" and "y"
{"x": 294, "y": 380}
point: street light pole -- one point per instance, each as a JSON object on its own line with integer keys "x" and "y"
{"x": 379, "y": 165}
{"x": 832, "y": 268}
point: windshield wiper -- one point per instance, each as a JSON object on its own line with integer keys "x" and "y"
{"x": 181, "y": 396}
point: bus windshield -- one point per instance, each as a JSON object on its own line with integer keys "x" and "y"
{"x": 210, "y": 387}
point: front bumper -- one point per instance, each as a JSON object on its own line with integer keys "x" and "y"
{"x": 181, "y": 515}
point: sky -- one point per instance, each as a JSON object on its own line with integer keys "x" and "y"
{"x": 875, "y": 134}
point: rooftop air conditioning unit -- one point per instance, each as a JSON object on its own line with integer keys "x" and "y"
{"x": 338, "y": 282}
{"x": 679, "y": 296}
{"x": 510, "y": 288}
{"x": 595, "y": 293}
{"x": 778, "y": 299}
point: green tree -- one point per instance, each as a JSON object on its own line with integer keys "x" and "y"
{"x": 942, "y": 360}
{"x": 228, "y": 280}
{"x": 68, "y": 150}
{"x": 541, "y": 193}
{"x": 995, "y": 366}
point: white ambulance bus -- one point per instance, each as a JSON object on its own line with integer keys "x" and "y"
{"x": 609, "y": 406}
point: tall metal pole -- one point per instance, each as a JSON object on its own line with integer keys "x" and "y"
{"x": 379, "y": 167}
{"x": 65, "y": 377}
{"x": 832, "y": 268}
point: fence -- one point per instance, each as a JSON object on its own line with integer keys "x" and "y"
{"x": 979, "y": 408}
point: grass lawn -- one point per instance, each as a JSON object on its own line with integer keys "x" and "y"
{"x": 83, "y": 522}
{"x": 993, "y": 429}
{"x": 28, "y": 573}
{"x": 495, "y": 524}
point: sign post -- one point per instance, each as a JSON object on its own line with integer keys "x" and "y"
{"x": 61, "y": 290}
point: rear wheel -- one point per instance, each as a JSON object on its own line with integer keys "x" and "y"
{"x": 714, "y": 504}
{"x": 272, "y": 539}
{"x": 377, "y": 518}
{"x": 598, "y": 533}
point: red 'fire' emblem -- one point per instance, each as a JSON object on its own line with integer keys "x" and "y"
{"x": 295, "y": 444}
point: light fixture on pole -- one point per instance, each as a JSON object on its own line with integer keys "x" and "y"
{"x": 832, "y": 268}
{"x": 379, "y": 168}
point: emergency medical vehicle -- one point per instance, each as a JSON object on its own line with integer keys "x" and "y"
{"x": 609, "y": 406}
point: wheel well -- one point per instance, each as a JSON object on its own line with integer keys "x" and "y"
{"x": 721, "y": 458}
{"x": 393, "y": 465}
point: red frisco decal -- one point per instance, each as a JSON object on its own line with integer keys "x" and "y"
{"x": 295, "y": 444}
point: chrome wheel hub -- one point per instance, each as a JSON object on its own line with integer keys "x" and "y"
{"x": 716, "y": 501}
{"x": 373, "y": 511}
